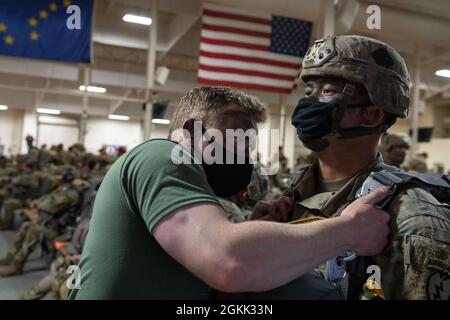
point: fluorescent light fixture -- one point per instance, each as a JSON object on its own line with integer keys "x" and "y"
{"x": 48, "y": 111}
{"x": 137, "y": 19}
{"x": 161, "y": 121}
{"x": 93, "y": 89}
{"x": 443, "y": 73}
{"x": 3, "y": 107}
{"x": 118, "y": 117}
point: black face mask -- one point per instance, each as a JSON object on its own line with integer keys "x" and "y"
{"x": 227, "y": 180}
{"x": 313, "y": 120}
{"x": 318, "y": 122}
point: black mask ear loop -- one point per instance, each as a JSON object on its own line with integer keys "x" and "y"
{"x": 359, "y": 131}
{"x": 338, "y": 114}
{"x": 347, "y": 92}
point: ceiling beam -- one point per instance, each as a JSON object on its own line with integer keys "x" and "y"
{"x": 177, "y": 29}
{"x": 116, "y": 105}
{"x": 437, "y": 92}
{"x": 70, "y": 92}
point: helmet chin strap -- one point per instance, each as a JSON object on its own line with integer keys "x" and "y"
{"x": 361, "y": 131}
{"x": 323, "y": 142}
{"x": 338, "y": 132}
{"x": 348, "y": 91}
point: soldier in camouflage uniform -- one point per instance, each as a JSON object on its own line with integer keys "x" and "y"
{"x": 65, "y": 157}
{"x": 31, "y": 148}
{"x": 282, "y": 175}
{"x": 7, "y": 172}
{"x": 259, "y": 185}
{"x": 89, "y": 170}
{"x": 68, "y": 253}
{"x": 75, "y": 153}
{"x": 232, "y": 211}
{"x": 417, "y": 164}
{"x": 5, "y": 164}
{"x": 36, "y": 156}
{"x": 355, "y": 89}
{"x": 238, "y": 208}
{"x": 48, "y": 217}
{"x": 393, "y": 148}
{"x": 52, "y": 281}
{"x": 23, "y": 189}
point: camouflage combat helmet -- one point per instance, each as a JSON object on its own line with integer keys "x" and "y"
{"x": 391, "y": 140}
{"x": 374, "y": 64}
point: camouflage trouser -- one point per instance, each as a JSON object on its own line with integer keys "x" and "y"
{"x": 54, "y": 281}
{"x": 30, "y": 234}
{"x": 59, "y": 287}
{"x": 7, "y": 213}
{"x": 3, "y": 196}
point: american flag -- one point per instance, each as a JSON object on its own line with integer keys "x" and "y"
{"x": 251, "y": 50}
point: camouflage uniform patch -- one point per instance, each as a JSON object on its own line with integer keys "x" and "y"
{"x": 420, "y": 239}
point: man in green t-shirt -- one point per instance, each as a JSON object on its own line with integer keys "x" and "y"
{"x": 159, "y": 232}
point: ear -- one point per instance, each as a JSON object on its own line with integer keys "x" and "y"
{"x": 372, "y": 116}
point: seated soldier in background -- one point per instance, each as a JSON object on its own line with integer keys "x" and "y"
{"x": 39, "y": 156}
{"x": 394, "y": 148}
{"x": 27, "y": 186}
{"x": 7, "y": 172}
{"x": 49, "y": 216}
{"x": 68, "y": 250}
{"x": 257, "y": 189}
{"x": 62, "y": 156}
{"x": 77, "y": 150}
{"x": 232, "y": 210}
{"x": 418, "y": 163}
{"x": 239, "y": 207}
{"x": 7, "y": 167}
{"x": 89, "y": 170}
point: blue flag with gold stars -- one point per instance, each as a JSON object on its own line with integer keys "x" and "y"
{"x": 47, "y": 29}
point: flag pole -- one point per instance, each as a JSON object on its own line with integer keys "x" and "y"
{"x": 84, "y": 112}
{"x": 282, "y": 103}
{"x": 151, "y": 62}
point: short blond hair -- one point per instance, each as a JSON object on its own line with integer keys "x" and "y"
{"x": 202, "y": 103}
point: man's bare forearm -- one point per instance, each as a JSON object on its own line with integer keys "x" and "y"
{"x": 272, "y": 254}
{"x": 260, "y": 255}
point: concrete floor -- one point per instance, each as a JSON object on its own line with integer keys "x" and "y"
{"x": 12, "y": 288}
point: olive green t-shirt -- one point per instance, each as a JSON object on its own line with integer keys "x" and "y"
{"x": 121, "y": 259}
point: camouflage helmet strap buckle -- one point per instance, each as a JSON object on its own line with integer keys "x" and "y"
{"x": 349, "y": 89}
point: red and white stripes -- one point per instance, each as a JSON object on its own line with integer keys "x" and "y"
{"x": 235, "y": 52}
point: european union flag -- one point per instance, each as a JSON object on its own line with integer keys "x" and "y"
{"x": 47, "y": 29}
